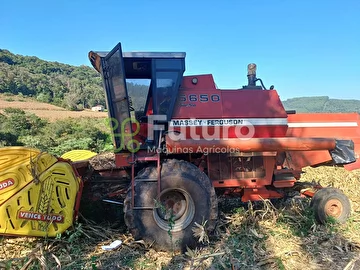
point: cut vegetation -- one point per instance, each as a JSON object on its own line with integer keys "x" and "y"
{"x": 269, "y": 235}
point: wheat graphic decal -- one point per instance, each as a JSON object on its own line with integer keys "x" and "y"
{"x": 44, "y": 201}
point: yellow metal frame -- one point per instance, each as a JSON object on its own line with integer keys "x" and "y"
{"x": 38, "y": 195}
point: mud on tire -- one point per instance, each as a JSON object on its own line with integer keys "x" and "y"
{"x": 188, "y": 191}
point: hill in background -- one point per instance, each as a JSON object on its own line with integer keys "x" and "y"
{"x": 51, "y": 82}
{"x": 71, "y": 87}
{"x": 80, "y": 87}
{"x": 322, "y": 104}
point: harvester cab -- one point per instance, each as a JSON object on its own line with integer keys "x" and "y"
{"x": 162, "y": 71}
{"x": 230, "y": 140}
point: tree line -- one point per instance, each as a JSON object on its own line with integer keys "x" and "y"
{"x": 71, "y": 87}
{"x": 51, "y": 82}
{"x": 19, "y": 128}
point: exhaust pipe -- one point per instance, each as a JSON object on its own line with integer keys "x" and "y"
{"x": 251, "y": 74}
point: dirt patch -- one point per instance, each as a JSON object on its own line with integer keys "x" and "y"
{"x": 53, "y": 115}
{"x": 104, "y": 161}
{"x": 45, "y": 110}
{"x": 27, "y": 104}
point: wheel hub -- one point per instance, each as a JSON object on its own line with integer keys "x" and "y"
{"x": 176, "y": 209}
{"x": 175, "y": 205}
{"x": 334, "y": 208}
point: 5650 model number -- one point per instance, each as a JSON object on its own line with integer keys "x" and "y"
{"x": 199, "y": 97}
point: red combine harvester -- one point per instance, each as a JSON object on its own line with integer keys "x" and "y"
{"x": 182, "y": 141}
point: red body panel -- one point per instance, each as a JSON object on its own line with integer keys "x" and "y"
{"x": 259, "y": 109}
{"x": 330, "y": 125}
{"x": 252, "y": 145}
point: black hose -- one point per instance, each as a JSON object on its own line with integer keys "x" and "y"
{"x": 261, "y": 83}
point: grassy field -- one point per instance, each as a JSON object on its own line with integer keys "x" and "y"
{"x": 267, "y": 235}
{"x": 45, "y": 110}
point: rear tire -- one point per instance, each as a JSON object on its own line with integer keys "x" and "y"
{"x": 190, "y": 195}
{"x": 331, "y": 202}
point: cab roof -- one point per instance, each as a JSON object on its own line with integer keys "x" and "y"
{"x": 147, "y": 54}
{"x": 95, "y": 56}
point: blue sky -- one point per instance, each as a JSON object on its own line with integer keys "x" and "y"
{"x": 303, "y": 47}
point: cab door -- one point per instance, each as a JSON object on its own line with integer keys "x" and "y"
{"x": 117, "y": 99}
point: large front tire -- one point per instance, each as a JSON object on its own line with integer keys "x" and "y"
{"x": 187, "y": 192}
